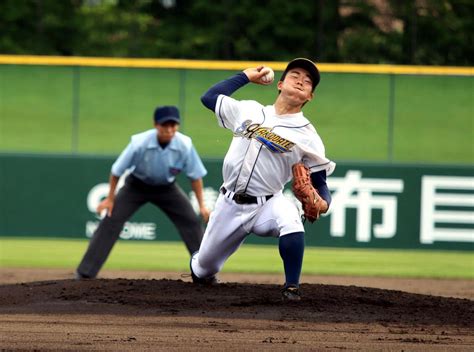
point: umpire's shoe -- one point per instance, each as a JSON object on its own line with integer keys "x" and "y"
{"x": 207, "y": 281}
{"x": 79, "y": 276}
{"x": 291, "y": 293}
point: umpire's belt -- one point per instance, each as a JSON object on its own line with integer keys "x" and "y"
{"x": 145, "y": 187}
{"x": 242, "y": 198}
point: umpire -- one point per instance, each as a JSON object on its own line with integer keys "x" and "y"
{"x": 155, "y": 157}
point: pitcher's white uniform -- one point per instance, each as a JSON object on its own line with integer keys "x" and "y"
{"x": 258, "y": 163}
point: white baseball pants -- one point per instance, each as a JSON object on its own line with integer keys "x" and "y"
{"x": 230, "y": 223}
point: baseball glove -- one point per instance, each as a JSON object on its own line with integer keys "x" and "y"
{"x": 313, "y": 204}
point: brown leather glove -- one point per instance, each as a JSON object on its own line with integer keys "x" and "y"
{"x": 313, "y": 204}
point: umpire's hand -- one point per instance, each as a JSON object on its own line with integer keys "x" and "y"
{"x": 204, "y": 213}
{"x": 106, "y": 204}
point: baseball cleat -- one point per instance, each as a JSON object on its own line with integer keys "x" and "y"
{"x": 207, "y": 281}
{"x": 291, "y": 293}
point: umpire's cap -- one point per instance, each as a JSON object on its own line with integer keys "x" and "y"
{"x": 165, "y": 114}
{"x": 308, "y": 65}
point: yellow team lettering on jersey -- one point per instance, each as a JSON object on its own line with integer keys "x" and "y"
{"x": 264, "y": 135}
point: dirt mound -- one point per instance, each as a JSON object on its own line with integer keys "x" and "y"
{"x": 320, "y": 303}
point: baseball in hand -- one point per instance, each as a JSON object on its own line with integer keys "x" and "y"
{"x": 268, "y": 77}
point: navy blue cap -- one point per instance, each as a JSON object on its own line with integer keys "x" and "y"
{"x": 165, "y": 114}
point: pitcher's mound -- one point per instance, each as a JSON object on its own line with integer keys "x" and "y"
{"x": 320, "y": 303}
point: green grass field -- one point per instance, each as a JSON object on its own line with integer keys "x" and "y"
{"x": 433, "y": 115}
{"x": 167, "y": 256}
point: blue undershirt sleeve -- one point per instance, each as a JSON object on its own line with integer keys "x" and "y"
{"x": 225, "y": 87}
{"x": 318, "y": 179}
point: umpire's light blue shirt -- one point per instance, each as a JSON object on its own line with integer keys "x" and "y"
{"x": 157, "y": 166}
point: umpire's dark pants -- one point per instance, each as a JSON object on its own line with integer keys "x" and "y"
{"x": 135, "y": 193}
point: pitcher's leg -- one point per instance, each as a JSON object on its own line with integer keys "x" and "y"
{"x": 291, "y": 247}
{"x": 224, "y": 235}
{"x": 280, "y": 217}
{"x": 126, "y": 203}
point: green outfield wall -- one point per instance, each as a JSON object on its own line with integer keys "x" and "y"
{"x": 374, "y": 205}
{"x": 362, "y": 112}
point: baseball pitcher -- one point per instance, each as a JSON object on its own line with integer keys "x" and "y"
{"x": 270, "y": 146}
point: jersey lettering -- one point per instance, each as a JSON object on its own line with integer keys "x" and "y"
{"x": 264, "y": 135}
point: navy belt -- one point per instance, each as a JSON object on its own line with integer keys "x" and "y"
{"x": 242, "y": 198}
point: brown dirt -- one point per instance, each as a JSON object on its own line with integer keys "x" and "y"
{"x": 48, "y": 311}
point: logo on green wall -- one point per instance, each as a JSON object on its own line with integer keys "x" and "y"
{"x": 445, "y": 211}
{"x": 364, "y": 195}
{"x": 446, "y": 204}
{"x": 131, "y": 230}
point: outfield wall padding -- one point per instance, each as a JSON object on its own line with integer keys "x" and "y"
{"x": 374, "y": 205}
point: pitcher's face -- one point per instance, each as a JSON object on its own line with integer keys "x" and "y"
{"x": 297, "y": 85}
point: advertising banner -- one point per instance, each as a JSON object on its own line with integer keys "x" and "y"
{"x": 373, "y": 206}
